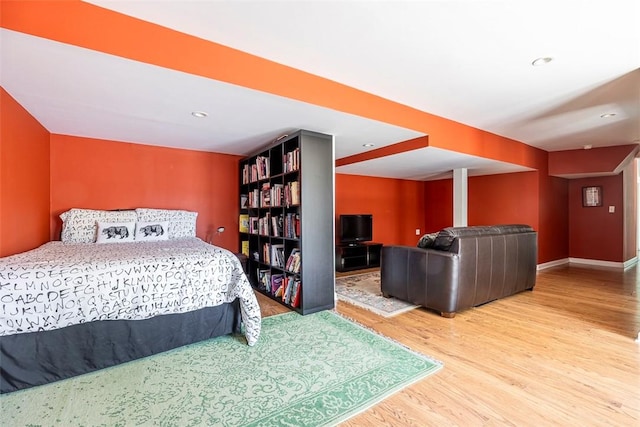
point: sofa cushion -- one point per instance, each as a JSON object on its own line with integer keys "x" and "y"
{"x": 446, "y": 236}
{"x": 427, "y": 241}
{"x": 513, "y": 228}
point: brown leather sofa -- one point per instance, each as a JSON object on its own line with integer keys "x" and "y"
{"x": 462, "y": 268}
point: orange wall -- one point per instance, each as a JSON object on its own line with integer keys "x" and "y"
{"x": 553, "y": 208}
{"x": 24, "y": 179}
{"x": 492, "y": 199}
{"x": 99, "y": 174}
{"x": 506, "y": 199}
{"x": 438, "y": 196}
{"x": 503, "y": 199}
{"x": 594, "y": 233}
{"x": 397, "y": 206}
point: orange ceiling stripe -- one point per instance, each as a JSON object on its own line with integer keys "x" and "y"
{"x": 400, "y": 147}
{"x": 92, "y": 27}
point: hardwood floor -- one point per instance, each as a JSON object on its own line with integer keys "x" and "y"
{"x": 561, "y": 355}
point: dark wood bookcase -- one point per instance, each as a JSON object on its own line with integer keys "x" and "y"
{"x": 286, "y": 220}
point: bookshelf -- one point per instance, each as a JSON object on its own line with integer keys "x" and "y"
{"x": 287, "y": 220}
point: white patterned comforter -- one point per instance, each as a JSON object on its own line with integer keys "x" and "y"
{"x": 58, "y": 285}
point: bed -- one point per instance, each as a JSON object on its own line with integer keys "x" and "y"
{"x": 74, "y": 306}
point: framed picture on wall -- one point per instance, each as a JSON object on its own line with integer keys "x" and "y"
{"x": 592, "y": 196}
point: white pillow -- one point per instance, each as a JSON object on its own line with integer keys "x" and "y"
{"x": 181, "y": 223}
{"x": 115, "y": 232}
{"x": 79, "y": 225}
{"x": 152, "y": 231}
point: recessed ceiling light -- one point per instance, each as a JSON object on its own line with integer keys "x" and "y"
{"x": 588, "y": 147}
{"x": 199, "y": 114}
{"x": 607, "y": 115}
{"x": 542, "y": 61}
{"x": 367, "y": 145}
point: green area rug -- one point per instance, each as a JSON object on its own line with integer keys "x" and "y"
{"x": 364, "y": 291}
{"x": 314, "y": 370}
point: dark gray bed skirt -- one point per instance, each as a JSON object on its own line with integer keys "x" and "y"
{"x": 37, "y": 358}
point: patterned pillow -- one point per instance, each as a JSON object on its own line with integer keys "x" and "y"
{"x": 115, "y": 232}
{"x": 80, "y": 225}
{"x": 152, "y": 231}
{"x": 181, "y": 223}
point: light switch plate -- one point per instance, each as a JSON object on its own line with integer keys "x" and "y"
{"x": 612, "y": 209}
{"x": 417, "y": 231}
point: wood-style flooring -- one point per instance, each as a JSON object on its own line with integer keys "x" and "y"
{"x": 562, "y": 355}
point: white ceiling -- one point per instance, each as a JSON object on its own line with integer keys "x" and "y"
{"x": 466, "y": 60}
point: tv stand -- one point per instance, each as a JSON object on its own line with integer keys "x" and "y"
{"x": 356, "y": 256}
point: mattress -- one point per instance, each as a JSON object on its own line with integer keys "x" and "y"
{"x": 62, "y": 284}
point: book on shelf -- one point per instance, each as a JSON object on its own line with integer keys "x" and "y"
{"x": 291, "y": 161}
{"x": 288, "y": 290}
{"x": 293, "y": 262}
{"x": 292, "y": 226}
{"x": 264, "y": 224}
{"x": 277, "y": 255}
{"x": 244, "y": 201}
{"x": 265, "y": 195}
{"x": 292, "y": 193}
{"x": 254, "y": 198}
{"x": 244, "y": 223}
{"x": 245, "y": 248}
{"x": 277, "y": 281}
{"x": 266, "y": 253}
{"x": 278, "y": 290}
{"x": 277, "y": 225}
{"x": 262, "y": 167}
{"x": 276, "y": 194}
{"x": 296, "y": 288}
{"x": 253, "y": 225}
{"x": 264, "y": 279}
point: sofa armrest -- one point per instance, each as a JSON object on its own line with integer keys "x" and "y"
{"x": 426, "y": 277}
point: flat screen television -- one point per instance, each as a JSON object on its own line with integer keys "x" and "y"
{"x": 354, "y": 229}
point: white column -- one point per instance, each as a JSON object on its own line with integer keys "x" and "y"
{"x": 460, "y": 197}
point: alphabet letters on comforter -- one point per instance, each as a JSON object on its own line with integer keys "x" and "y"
{"x": 58, "y": 285}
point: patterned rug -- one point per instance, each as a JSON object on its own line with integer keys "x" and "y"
{"x": 314, "y": 370}
{"x": 363, "y": 290}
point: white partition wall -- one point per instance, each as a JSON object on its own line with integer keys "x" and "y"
{"x": 460, "y": 197}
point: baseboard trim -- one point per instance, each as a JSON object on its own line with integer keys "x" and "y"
{"x": 630, "y": 263}
{"x": 597, "y": 263}
{"x": 589, "y": 262}
{"x": 555, "y": 263}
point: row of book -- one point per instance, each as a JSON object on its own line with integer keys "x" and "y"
{"x": 273, "y": 254}
{"x": 272, "y": 195}
{"x": 294, "y": 261}
{"x": 280, "y": 286}
{"x": 291, "y": 161}
{"x": 254, "y": 224}
{"x": 292, "y": 193}
{"x": 262, "y": 197}
{"x": 277, "y": 226}
{"x": 291, "y": 226}
{"x": 257, "y": 171}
